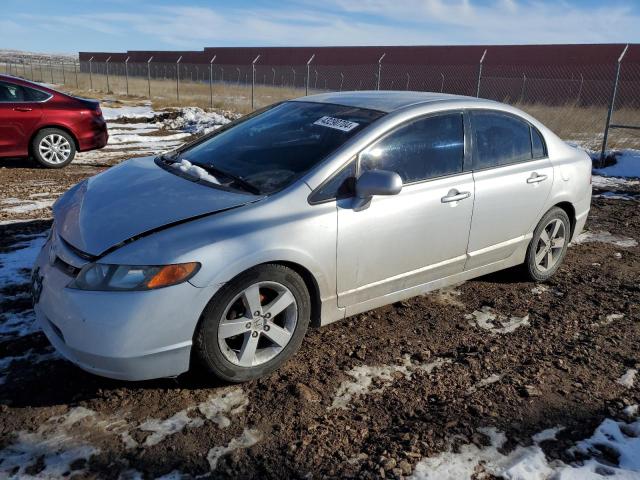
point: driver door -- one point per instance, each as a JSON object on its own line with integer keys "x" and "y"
{"x": 419, "y": 235}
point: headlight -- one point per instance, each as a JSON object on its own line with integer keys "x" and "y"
{"x": 104, "y": 277}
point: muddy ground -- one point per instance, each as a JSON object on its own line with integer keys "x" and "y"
{"x": 497, "y": 351}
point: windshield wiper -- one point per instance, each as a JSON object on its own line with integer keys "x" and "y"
{"x": 238, "y": 180}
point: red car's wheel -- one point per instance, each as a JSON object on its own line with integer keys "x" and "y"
{"x": 53, "y": 148}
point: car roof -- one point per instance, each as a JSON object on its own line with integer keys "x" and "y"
{"x": 385, "y": 100}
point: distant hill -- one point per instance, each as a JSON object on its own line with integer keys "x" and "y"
{"x": 18, "y": 56}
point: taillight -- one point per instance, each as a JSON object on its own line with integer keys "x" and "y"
{"x": 98, "y": 111}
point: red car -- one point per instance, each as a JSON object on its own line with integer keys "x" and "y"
{"x": 47, "y": 125}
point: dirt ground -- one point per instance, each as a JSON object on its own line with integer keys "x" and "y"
{"x": 497, "y": 351}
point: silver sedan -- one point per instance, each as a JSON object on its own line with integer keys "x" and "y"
{"x": 306, "y": 212}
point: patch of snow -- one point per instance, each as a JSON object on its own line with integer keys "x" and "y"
{"x": 30, "y": 356}
{"x": 530, "y": 463}
{"x": 546, "y": 435}
{"x": 604, "y": 237}
{"x": 484, "y": 382}
{"x": 196, "y": 120}
{"x": 114, "y": 113}
{"x": 620, "y": 437}
{"x": 631, "y": 410}
{"x": 16, "y": 205}
{"x": 602, "y": 183}
{"x": 216, "y": 408}
{"x": 364, "y": 376}
{"x": 185, "y": 166}
{"x": 616, "y": 196}
{"x": 248, "y": 438}
{"x": 627, "y": 165}
{"x": 612, "y": 317}
{"x": 487, "y": 319}
{"x": 59, "y": 442}
{"x": 447, "y": 296}
{"x": 17, "y": 324}
{"x": 629, "y": 378}
{"x": 16, "y": 264}
{"x": 142, "y": 139}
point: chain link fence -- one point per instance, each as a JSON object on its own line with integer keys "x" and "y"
{"x": 596, "y": 106}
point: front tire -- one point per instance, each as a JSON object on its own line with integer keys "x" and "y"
{"x": 254, "y": 323}
{"x": 548, "y": 246}
{"x": 53, "y": 148}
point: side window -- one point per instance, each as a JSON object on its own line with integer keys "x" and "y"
{"x": 341, "y": 185}
{"x": 11, "y": 93}
{"x": 33, "y": 95}
{"x": 426, "y": 148}
{"x": 537, "y": 144}
{"x": 499, "y": 140}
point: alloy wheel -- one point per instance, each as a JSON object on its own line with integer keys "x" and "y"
{"x": 54, "y": 149}
{"x": 257, "y": 324}
{"x": 550, "y": 244}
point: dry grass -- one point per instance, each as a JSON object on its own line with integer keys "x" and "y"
{"x": 580, "y": 124}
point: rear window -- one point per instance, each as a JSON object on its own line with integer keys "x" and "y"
{"x": 10, "y": 92}
{"x": 273, "y": 148}
{"x": 499, "y": 140}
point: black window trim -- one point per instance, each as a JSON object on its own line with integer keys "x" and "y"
{"x": 50, "y": 95}
{"x": 470, "y": 112}
{"x": 466, "y": 160}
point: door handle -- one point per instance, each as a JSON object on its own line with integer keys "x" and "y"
{"x": 23, "y": 109}
{"x": 455, "y": 196}
{"x": 535, "y": 178}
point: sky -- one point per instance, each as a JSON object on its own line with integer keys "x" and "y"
{"x": 69, "y": 26}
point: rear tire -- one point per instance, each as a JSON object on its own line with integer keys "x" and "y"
{"x": 548, "y": 246}
{"x": 53, "y": 148}
{"x": 254, "y": 324}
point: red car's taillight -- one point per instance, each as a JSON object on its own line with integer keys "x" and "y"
{"x": 98, "y": 111}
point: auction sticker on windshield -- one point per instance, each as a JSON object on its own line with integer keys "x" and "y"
{"x": 337, "y": 123}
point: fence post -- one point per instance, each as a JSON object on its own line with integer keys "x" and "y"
{"x": 442, "y": 82}
{"x": 379, "y": 71}
{"x": 306, "y": 89}
{"x": 612, "y": 102}
{"x": 126, "y": 74}
{"x": 31, "y": 65}
{"x": 253, "y": 79}
{"x": 90, "y": 74}
{"x": 50, "y": 68}
{"x": 480, "y": 73}
{"x": 149, "y": 76}
{"x": 75, "y": 71}
{"x": 294, "y": 76}
{"x": 64, "y": 78}
{"x": 524, "y": 83}
{"x": 408, "y": 79}
{"x": 106, "y": 64}
{"x": 341, "y": 80}
{"x": 211, "y": 81}
{"x": 178, "y": 78}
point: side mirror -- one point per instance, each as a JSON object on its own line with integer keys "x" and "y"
{"x": 375, "y": 182}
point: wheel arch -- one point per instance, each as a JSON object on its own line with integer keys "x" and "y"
{"x": 570, "y": 210}
{"x": 67, "y": 130}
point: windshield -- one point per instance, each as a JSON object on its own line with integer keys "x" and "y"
{"x": 268, "y": 151}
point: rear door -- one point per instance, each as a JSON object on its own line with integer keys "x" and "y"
{"x": 405, "y": 240}
{"x": 20, "y": 114}
{"x": 513, "y": 179}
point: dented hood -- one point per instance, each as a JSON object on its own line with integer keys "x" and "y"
{"x": 131, "y": 199}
